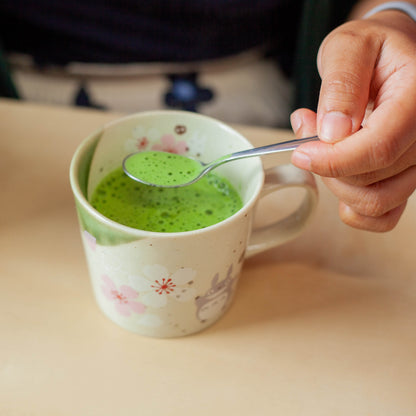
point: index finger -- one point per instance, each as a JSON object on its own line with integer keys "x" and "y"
{"x": 346, "y": 62}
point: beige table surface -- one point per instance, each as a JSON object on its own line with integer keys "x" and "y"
{"x": 324, "y": 325}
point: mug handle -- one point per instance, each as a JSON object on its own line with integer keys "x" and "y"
{"x": 285, "y": 229}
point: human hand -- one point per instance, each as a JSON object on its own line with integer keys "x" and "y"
{"x": 366, "y": 119}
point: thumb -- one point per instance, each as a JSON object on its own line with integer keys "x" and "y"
{"x": 346, "y": 61}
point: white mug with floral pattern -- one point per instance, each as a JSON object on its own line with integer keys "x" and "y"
{"x": 174, "y": 284}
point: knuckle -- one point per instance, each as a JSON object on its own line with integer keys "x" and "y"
{"x": 373, "y": 201}
{"x": 383, "y": 153}
{"x": 374, "y": 208}
{"x": 331, "y": 170}
{"x": 332, "y": 165}
{"x": 358, "y": 34}
{"x": 361, "y": 180}
{"x": 342, "y": 88}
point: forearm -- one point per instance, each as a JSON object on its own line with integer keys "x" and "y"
{"x": 363, "y": 6}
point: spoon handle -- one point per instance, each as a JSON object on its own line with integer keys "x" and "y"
{"x": 257, "y": 151}
{"x": 272, "y": 148}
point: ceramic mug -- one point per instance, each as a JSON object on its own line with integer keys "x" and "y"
{"x": 174, "y": 284}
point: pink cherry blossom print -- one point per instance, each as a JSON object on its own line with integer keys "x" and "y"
{"x": 156, "y": 285}
{"x": 122, "y": 297}
{"x": 142, "y": 143}
{"x": 90, "y": 240}
{"x": 164, "y": 286}
{"x": 170, "y": 145}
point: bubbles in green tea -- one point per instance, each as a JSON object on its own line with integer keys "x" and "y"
{"x": 162, "y": 168}
{"x": 208, "y": 201}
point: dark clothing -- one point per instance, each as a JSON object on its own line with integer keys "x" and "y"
{"x": 114, "y": 31}
{"x": 124, "y": 31}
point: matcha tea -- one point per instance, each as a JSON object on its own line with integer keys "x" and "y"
{"x": 206, "y": 202}
{"x": 162, "y": 168}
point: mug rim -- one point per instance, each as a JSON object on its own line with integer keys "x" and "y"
{"x": 88, "y": 141}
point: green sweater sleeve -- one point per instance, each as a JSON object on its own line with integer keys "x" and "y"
{"x": 7, "y": 86}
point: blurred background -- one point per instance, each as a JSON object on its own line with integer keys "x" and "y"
{"x": 239, "y": 61}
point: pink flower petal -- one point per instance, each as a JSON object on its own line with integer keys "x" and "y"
{"x": 137, "y": 306}
{"x": 128, "y": 292}
{"x": 181, "y": 147}
{"x": 168, "y": 140}
{"x": 107, "y": 292}
{"x": 142, "y": 143}
{"x": 110, "y": 284}
{"x": 168, "y": 144}
{"x": 123, "y": 309}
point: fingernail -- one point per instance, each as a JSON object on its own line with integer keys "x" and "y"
{"x": 296, "y": 122}
{"x": 335, "y": 126}
{"x": 301, "y": 160}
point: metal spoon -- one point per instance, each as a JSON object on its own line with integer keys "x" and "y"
{"x": 203, "y": 168}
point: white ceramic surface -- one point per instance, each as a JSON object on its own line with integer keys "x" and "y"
{"x": 174, "y": 284}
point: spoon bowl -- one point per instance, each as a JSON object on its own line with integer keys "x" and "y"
{"x": 170, "y": 170}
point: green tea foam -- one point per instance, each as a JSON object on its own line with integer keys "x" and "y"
{"x": 208, "y": 201}
{"x": 162, "y": 168}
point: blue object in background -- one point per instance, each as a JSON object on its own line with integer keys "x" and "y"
{"x": 185, "y": 93}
